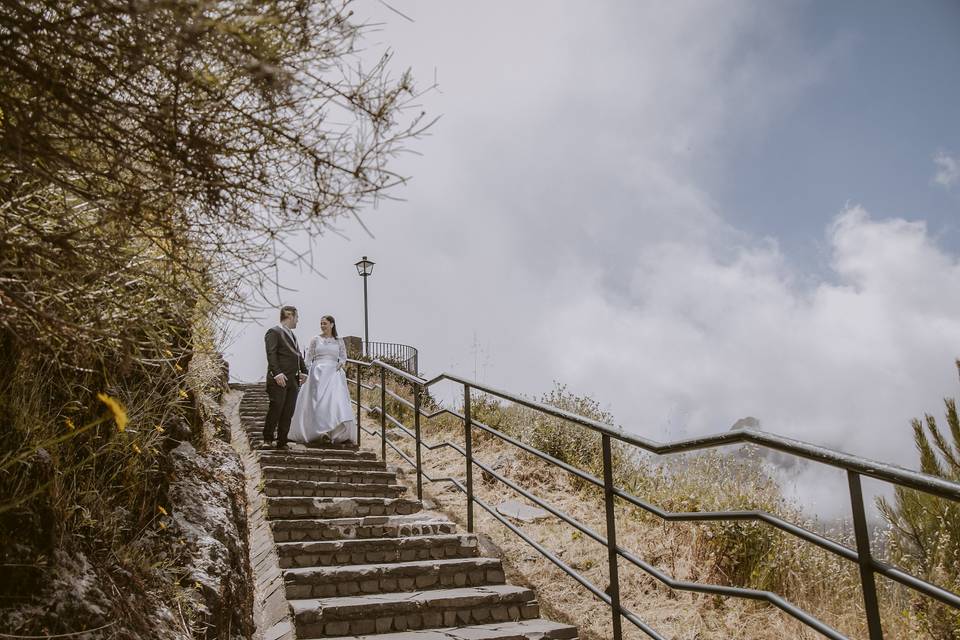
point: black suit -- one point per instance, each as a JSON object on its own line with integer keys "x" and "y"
{"x": 283, "y": 356}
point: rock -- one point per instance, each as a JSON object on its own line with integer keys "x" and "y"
{"x": 353, "y": 345}
{"x": 502, "y": 461}
{"x": 177, "y": 430}
{"x": 746, "y": 423}
{"x": 521, "y": 512}
{"x": 206, "y": 510}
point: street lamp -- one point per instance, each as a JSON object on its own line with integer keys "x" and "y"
{"x": 365, "y": 268}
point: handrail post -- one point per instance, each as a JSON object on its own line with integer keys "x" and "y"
{"x": 468, "y": 445}
{"x": 865, "y": 560}
{"x": 359, "y": 430}
{"x": 608, "y": 499}
{"x": 416, "y": 428}
{"x": 383, "y": 414}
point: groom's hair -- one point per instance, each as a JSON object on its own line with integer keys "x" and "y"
{"x": 287, "y": 311}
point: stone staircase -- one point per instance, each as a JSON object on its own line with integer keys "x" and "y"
{"x": 362, "y": 561}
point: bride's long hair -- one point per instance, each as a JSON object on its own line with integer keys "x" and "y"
{"x": 331, "y": 320}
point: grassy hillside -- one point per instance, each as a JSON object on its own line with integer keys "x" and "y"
{"x": 744, "y": 554}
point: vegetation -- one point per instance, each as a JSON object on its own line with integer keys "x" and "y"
{"x": 153, "y": 157}
{"x": 740, "y": 553}
{"x": 925, "y": 539}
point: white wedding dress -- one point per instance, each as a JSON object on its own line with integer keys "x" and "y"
{"x": 324, "y": 412}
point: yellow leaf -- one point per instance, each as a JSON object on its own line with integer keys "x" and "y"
{"x": 70, "y": 424}
{"x": 183, "y": 394}
{"x": 119, "y": 413}
{"x": 161, "y": 510}
{"x": 136, "y": 449}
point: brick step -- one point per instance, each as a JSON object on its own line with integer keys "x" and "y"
{"x": 536, "y": 629}
{"x": 351, "y": 580}
{"x": 255, "y": 436}
{"x": 319, "y": 474}
{"x": 376, "y": 550}
{"x": 380, "y": 613}
{"x": 417, "y": 524}
{"x": 310, "y": 489}
{"x": 281, "y": 459}
{"x": 309, "y": 456}
{"x": 301, "y": 507}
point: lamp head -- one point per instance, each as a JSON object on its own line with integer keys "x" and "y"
{"x": 364, "y": 267}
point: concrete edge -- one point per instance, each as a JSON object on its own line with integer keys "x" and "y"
{"x": 271, "y": 612}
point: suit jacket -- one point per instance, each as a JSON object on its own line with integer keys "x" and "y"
{"x": 282, "y": 355}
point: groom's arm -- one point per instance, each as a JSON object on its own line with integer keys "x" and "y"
{"x": 272, "y": 343}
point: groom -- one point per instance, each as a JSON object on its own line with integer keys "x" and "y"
{"x": 286, "y": 371}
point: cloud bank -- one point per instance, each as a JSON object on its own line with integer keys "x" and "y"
{"x": 563, "y": 213}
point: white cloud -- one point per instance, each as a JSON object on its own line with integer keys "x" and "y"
{"x": 706, "y": 340}
{"x": 948, "y": 170}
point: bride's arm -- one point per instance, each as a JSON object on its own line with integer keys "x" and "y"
{"x": 342, "y": 356}
{"x": 312, "y": 351}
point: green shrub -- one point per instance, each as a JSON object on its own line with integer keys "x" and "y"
{"x": 925, "y": 536}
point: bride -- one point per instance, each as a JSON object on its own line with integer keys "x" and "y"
{"x": 324, "y": 412}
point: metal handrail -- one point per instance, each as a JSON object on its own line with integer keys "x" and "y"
{"x": 875, "y": 469}
{"x": 855, "y": 467}
{"x": 403, "y": 354}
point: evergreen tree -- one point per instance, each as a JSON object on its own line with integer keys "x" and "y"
{"x": 925, "y": 536}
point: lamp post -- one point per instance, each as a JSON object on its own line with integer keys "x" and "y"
{"x": 365, "y": 268}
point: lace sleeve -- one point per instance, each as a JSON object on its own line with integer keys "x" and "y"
{"x": 312, "y": 351}
{"x": 342, "y": 356}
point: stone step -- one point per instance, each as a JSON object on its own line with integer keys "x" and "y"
{"x": 326, "y": 582}
{"x": 308, "y": 488}
{"x": 341, "y": 507}
{"x": 536, "y": 629}
{"x": 417, "y": 524}
{"x": 320, "y": 474}
{"x": 309, "y": 456}
{"x": 375, "y": 550}
{"x": 255, "y": 436}
{"x": 281, "y": 459}
{"x": 384, "y": 612}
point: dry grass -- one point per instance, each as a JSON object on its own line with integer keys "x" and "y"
{"x": 739, "y": 554}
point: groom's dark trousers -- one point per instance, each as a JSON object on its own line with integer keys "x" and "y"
{"x": 283, "y": 356}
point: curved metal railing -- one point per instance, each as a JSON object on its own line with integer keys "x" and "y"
{"x": 854, "y": 466}
{"x": 403, "y": 356}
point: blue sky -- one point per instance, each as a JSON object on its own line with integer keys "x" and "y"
{"x": 866, "y": 131}
{"x": 690, "y": 211}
